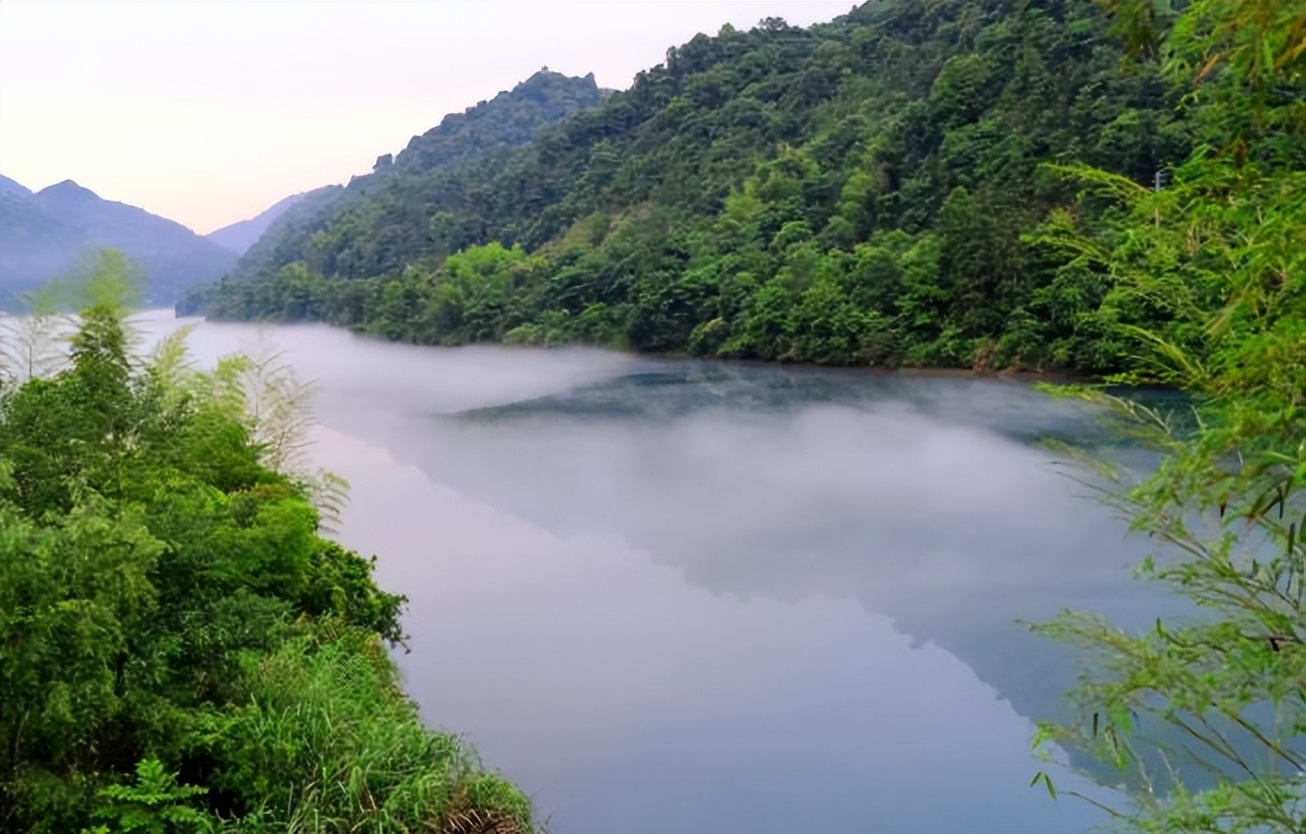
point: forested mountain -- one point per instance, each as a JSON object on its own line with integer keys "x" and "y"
{"x": 852, "y": 193}
{"x": 282, "y": 240}
{"x": 242, "y": 234}
{"x": 46, "y": 234}
{"x": 369, "y": 227}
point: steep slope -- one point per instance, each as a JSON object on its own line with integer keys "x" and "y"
{"x": 19, "y": 223}
{"x": 34, "y": 246}
{"x": 8, "y": 187}
{"x": 242, "y": 234}
{"x": 282, "y": 242}
{"x": 47, "y": 234}
{"x": 857, "y": 192}
{"x": 379, "y": 200}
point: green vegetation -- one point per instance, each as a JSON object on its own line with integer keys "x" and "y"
{"x": 1222, "y": 252}
{"x": 180, "y": 650}
{"x": 373, "y": 225}
{"x": 853, "y": 193}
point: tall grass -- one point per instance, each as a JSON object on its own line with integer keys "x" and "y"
{"x": 328, "y": 743}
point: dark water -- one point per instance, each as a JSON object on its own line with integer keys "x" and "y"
{"x": 689, "y": 596}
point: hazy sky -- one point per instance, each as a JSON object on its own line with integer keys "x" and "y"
{"x": 208, "y": 112}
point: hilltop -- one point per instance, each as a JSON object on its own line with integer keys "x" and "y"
{"x": 46, "y": 234}
{"x": 319, "y": 228}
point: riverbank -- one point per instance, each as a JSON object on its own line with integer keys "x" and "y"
{"x": 1026, "y": 375}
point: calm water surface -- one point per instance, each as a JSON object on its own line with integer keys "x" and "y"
{"x": 683, "y": 596}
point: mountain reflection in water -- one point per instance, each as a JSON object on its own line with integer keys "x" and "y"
{"x": 671, "y": 595}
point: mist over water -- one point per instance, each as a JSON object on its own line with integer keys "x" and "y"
{"x": 670, "y": 595}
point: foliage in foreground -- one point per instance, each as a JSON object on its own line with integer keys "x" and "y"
{"x": 1206, "y": 718}
{"x": 180, "y": 650}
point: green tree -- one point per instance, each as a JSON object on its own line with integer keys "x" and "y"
{"x": 154, "y": 571}
{"x": 156, "y": 804}
{"x": 1221, "y": 249}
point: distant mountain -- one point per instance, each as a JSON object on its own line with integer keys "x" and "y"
{"x": 8, "y": 186}
{"x": 239, "y": 236}
{"x": 49, "y": 234}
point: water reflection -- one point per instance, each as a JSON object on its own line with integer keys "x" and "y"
{"x": 684, "y": 596}
{"x": 895, "y": 492}
{"x": 629, "y": 698}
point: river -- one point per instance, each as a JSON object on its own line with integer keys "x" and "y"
{"x": 684, "y": 596}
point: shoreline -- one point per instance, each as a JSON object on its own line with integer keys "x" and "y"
{"x": 1063, "y": 377}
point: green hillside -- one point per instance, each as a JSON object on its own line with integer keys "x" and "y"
{"x": 868, "y": 191}
{"x": 369, "y": 227}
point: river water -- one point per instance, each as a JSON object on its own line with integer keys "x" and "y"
{"x": 683, "y": 596}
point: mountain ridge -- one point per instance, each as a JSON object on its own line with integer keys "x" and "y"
{"x": 49, "y": 234}
{"x": 9, "y": 186}
{"x": 479, "y": 133}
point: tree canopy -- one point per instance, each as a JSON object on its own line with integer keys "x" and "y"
{"x": 852, "y": 193}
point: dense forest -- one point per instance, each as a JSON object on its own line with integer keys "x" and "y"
{"x": 867, "y": 191}
{"x": 180, "y": 648}
{"x": 375, "y": 224}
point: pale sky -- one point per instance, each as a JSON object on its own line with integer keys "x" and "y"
{"x": 208, "y": 112}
